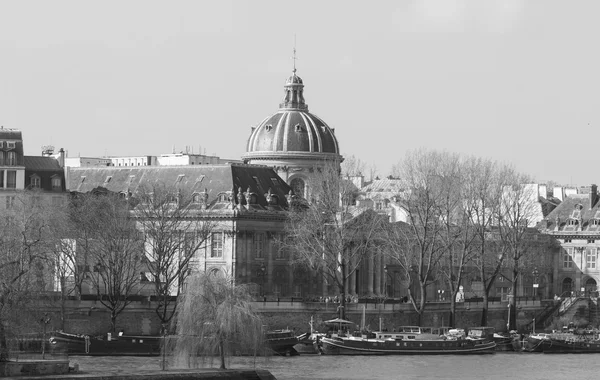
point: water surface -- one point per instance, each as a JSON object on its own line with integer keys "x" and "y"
{"x": 530, "y": 366}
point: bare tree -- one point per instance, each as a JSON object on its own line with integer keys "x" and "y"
{"x": 352, "y": 166}
{"x": 456, "y": 207}
{"x": 518, "y": 208}
{"x": 175, "y": 225}
{"x": 25, "y": 244}
{"x": 419, "y": 246}
{"x": 216, "y": 318}
{"x": 115, "y": 250}
{"x": 330, "y": 234}
{"x": 64, "y": 259}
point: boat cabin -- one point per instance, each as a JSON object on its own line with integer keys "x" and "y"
{"x": 412, "y": 333}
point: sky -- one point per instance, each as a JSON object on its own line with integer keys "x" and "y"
{"x": 515, "y": 81}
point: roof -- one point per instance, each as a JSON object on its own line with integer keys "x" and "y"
{"x": 10, "y": 134}
{"x": 575, "y": 214}
{"x": 216, "y": 179}
{"x": 292, "y": 130}
{"x": 39, "y": 163}
{"x": 383, "y": 185}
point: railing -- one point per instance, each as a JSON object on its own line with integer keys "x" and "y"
{"x": 566, "y": 304}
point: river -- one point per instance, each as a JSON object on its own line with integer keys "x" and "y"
{"x": 501, "y": 365}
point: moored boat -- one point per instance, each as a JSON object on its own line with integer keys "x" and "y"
{"x": 76, "y": 344}
{"x": 580, "y": 342}
{"x": 282, "y": 342}
{"x": 412, "y": 340}
{"x": 510, "y": 341}
{"x": 534, "y": 342}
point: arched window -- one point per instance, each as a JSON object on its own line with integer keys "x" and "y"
{"x": 298, "y": 186}
{"x": 567, "y": 285}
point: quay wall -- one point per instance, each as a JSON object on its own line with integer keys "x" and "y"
{"x": 90, "y": 317}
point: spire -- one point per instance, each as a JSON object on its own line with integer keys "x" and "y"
{"x": 293, "y": 90}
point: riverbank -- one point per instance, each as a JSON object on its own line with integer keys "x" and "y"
{"x": 137, "y": 374}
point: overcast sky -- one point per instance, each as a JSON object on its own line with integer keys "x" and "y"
{"x": 516, "y": 81}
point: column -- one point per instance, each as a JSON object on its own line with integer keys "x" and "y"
{"x": 352, "y": 280}
{"x": 347, "y": 282}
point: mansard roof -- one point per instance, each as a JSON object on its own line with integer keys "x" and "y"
{"x": 40, "y": 163}
{"x": 226, "y": 179}
{"x": 46, "y": 168}
{"x": 575, "y": 214}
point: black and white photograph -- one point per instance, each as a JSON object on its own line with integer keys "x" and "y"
{"x": 279, "y": 189}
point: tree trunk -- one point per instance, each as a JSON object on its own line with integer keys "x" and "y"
{"x": 62, "y": 304}
{"x": 113, "y": 321}
{"x": 222, "y": 353}
{"x": 452, "y": 320}
{"x": 484, "y": 311}
{"x": 3, "y": 346}
{"x": 422, "y": 302}
{"x": 512, "y": 322}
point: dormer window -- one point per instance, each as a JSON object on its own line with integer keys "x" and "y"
{"x": 107, "y": 180}
{"x": 10, "y": 144}
{"x": 56, "y": 184}
{"x": 179, "y": 178}
{"x": 36, "y": 182}
{"x": 298, "y": 128}
{"x": 572, "y": 222}
{"x": 196, "y": 198}
{"x": 268, "y": 127}
{"x": 596, "y": 222}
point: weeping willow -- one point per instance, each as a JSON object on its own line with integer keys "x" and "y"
{"x": 215, "y": 320}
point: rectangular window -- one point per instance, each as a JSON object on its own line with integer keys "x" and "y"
{"x": 56, "y": 184}
{"x": 35, "y": 182}
{"x": 1, "y": 177}
{"x": 591, "y": 259}
{"x": 11, "y": 179}
{"x": 1, "y": 158}
{"x": 283, "y": 249}
{"x": 11, "y": 158}
{"x": 258, "y": 244}
{"x": 568, "y": 259}
{"x": 216, "y": 248}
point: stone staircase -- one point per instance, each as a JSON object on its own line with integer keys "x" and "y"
{"x": 594, "y": 316}
{"x": 570, "y": 309}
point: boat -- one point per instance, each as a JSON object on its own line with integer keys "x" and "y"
{"x": 309, "y": 342}
{"x": 507, "y": 341}
{"x": 108, "y": 345}
{"x": 282, "y": 342}
{"x": 578, "y": 342}
{"x": 534, "y": 342}
{"x": 413, "y": 340}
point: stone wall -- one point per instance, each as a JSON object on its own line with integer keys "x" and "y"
{"x": 90, "y": 317}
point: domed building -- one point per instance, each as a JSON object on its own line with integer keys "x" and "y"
{"x": 293, "y": 141}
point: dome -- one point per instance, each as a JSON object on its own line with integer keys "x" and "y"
{"x": 292, "y": 132}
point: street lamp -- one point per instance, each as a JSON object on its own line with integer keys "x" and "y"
{"x": 385, "y": 270}
{"x": 535, "y": 282}
{"x": 263, "y": 273}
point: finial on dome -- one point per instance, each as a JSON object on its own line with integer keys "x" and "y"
{"x": 294, "y": 56}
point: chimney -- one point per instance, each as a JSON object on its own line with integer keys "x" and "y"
{"x": 61, "y": 157}
{"x": 593, "y": 195}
